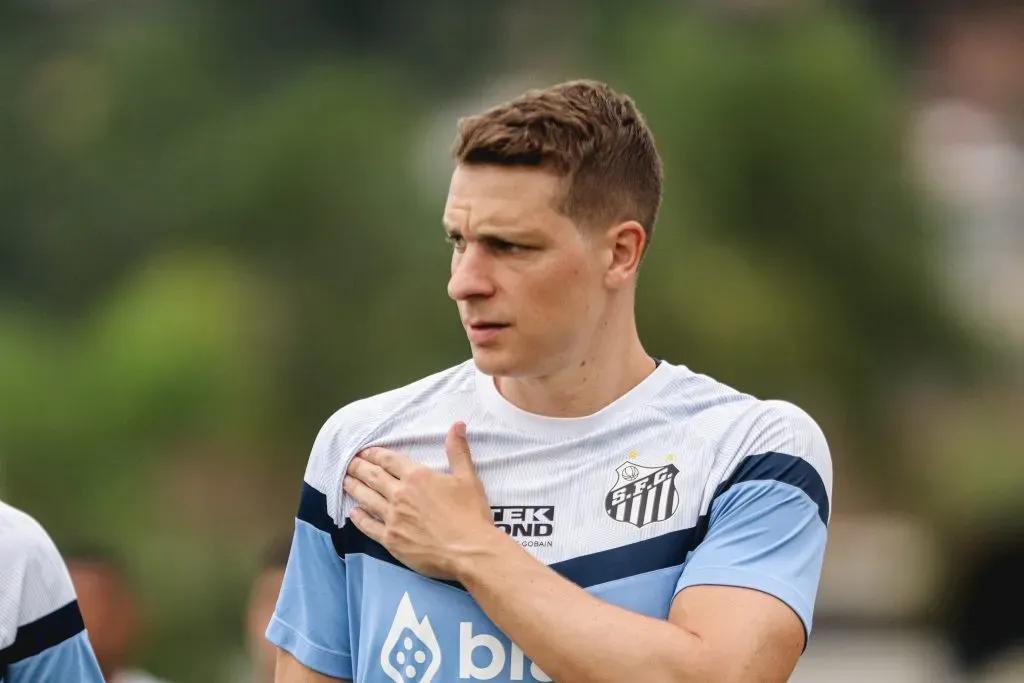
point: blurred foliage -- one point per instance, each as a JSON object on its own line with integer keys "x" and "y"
{"x": 214, "y": 231}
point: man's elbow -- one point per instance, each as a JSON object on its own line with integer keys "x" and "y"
{"x": 723, "y": 662}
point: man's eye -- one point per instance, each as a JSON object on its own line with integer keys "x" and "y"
{"x": 457, "y": 242}
{"x": 506, "y": 247}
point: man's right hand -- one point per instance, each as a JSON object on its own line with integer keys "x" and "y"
{"x": 290, "y": 670}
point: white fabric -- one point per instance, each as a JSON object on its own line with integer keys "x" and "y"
{"x": 33, "y": 578}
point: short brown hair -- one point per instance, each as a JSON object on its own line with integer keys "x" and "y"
{"x": 587, "y": 133}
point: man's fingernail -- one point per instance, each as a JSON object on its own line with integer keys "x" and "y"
{"x": 460, "y": 429}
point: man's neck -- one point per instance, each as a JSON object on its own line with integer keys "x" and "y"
{"x": 584, "y": 387}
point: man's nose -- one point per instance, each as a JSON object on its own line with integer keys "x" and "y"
{"x": 471, "y": 276}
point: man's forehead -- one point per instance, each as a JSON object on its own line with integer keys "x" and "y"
{"x": 500, "y": 196}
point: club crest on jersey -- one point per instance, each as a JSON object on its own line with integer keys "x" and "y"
{"x": 643, "y": 495}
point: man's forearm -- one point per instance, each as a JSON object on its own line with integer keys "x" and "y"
{"x": 569, "y": 633}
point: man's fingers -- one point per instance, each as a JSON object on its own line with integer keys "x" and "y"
{"x": 457, "y": 447}
{"x": 371, "y": 527}
{"x": 374, "y": 476}
{"x": 365, "y": 497}
{"x": 394, "y": 463}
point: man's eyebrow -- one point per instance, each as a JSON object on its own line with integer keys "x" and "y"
{"x": 451, "y": 224}
{"x": 495, "y": 228}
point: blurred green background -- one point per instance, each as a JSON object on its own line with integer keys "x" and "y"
{"x": 220, "y": 221}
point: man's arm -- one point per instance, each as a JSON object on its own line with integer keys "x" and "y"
{"x": 290, "y": 670}
{"x": 714, "y": 633}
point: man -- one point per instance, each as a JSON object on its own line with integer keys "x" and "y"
{"x": 110, "y": 611}
{"x": 611, "y": 517}
{"x": 42, "y": 637}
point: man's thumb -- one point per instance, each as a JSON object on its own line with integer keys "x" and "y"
{"x": 457, "y": 448}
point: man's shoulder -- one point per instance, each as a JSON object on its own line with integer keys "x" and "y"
{"x": 370, "y": 412}
{"x": 359, "y": 422}
{"x": 705, "y": 403}
{"x": 737, "y": 423}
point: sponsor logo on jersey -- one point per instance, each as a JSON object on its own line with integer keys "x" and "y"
{"x": 525, "y": 521}
{"x": 531, "y": 525}
{"x": 493, "y": 661}
{"x": 643, "y": 495}
{"x": 410, "y": 653}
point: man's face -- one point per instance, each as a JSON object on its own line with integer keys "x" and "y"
{"x": 528, "y": 282}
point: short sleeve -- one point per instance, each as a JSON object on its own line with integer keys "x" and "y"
{"x": 311, "y": 618}
{"x": 766, "y": 525}
{"x": 71, "y": 659}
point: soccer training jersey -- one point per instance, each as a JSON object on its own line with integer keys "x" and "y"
{"x": 682, "y": 481}
{"x": 42, "y": 637}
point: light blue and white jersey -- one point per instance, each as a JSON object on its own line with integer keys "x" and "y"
{"x": 42, "y": 637}
{"x": 682, "y": 481}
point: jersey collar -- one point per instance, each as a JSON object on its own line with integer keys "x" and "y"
{"x": 571, "y": 427}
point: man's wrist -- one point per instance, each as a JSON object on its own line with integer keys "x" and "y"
{"x": 487, "y": 547}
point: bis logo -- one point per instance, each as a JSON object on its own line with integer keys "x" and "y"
{"x": 410, "y": 653}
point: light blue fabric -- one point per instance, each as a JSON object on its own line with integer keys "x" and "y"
{"x": 391, "y": 613}
{"x": 765, "y": 535}
{"x": 71, "y": 661}
{"x": 311, "y": 621}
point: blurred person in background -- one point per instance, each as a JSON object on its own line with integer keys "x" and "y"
{"x": 110, "y": 611}
{"x": 42, "y": 636}
{"x": 262, "y": 598}
{"x": 970, "y": 145}
{"x": 648, "y": 522}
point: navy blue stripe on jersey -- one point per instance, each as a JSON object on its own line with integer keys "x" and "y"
{"x": 313, "y": 510}
{"x": 43, "y": 633}
{"x": 667, "y": 550}
{"x": 660, "y": 552}
{"x": 356, "y": 542}
{"x": 782, "y": 468}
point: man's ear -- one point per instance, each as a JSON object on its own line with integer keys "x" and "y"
{"x": 625, "y": 242}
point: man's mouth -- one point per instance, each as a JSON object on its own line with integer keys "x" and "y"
{"x": 484, "y": 331}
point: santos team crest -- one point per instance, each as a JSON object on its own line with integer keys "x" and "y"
{"x": 643, "y": 495}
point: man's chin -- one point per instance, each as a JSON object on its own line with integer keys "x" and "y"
{"x": 494, "y": 363}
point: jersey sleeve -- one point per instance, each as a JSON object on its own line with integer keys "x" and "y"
{"x": 311, "y": 619}
{"x": 766, "y": 523}
{"x": 72, "y": 659}
{"x": 42, "y": 635}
